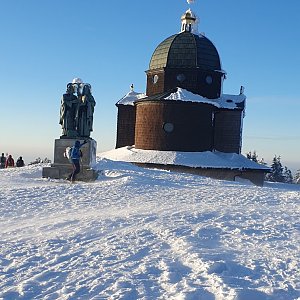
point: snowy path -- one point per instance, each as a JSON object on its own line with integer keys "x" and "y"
{"x": 147, "y": 234}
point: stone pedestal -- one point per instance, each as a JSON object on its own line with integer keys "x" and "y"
{"x": 62, "y": 168}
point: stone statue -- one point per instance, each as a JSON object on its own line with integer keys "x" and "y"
{"x": 84, "y": 118}
{"x": 68, "y": 112}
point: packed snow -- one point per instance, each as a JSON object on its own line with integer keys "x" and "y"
{"x": 139, "y": 233}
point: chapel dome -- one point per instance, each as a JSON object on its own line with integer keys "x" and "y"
{"x": 186, "y": 50}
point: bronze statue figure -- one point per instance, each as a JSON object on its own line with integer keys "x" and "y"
{"x": 68, "y": 111}
{"x": 76, "y": 112}
{"x": 85, "y": 112}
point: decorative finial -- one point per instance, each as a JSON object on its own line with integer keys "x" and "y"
{"x": 131, "y": 87}
{"x": 242, "y": 90}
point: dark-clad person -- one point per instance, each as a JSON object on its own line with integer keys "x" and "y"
{"x": 20, "y": 162}
{"x": 2, "y": 161}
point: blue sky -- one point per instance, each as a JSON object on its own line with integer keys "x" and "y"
{"x": 45, "y": 44}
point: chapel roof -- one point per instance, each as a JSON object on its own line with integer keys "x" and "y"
{"x": 186, "y": 50}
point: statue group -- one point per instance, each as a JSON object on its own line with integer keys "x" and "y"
{"x": 76, "y": 110}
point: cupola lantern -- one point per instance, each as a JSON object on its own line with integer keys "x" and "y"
{"x": 189, "y": 22}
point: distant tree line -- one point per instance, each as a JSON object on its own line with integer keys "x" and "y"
{"x": 278, "y": 172}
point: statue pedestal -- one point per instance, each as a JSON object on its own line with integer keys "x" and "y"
{"x": 62, "y": 168}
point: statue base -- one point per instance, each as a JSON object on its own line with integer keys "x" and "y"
{"x": 62, "y": 168}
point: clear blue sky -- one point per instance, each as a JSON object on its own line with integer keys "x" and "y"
{"x": 45, "y": 44}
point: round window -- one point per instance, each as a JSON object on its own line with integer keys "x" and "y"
{"x": 155, "y": 78}
{"x": 180, "y": 77}
{"x": 208, "y": 79}
{"x": 168, "y": 127}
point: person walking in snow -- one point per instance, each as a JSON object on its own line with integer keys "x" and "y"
{"x": 10, "y": 163}
{"x": 75, "y": 157}
{"x": 2, "y": 161}
{"x": 20, "y": 162}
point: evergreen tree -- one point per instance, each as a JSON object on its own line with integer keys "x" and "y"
{"x": 276, "y": 174}
{"x": 288, "y": 177}
{"x": 253, "y": 156}
{"x": 249, "y": 155}
{"x": 297, "y": 177}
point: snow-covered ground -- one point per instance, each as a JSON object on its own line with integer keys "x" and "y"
{"x": 147, "y": 234}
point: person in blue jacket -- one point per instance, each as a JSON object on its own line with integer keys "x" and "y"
{"x": 75, "y": 157}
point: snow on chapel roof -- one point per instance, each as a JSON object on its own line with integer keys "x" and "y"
{"x": 225, "y": 101}
{"x": 131, "y": 97}
{"x": 206, "y": 159}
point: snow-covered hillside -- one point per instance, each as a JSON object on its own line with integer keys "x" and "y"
{"x": 147, "y": 234}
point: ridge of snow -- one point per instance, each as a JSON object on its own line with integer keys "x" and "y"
{"x": 206, "y": 159}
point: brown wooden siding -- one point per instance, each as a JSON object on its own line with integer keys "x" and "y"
{"x": 227, "y": 137}
{"x": 158, "y": 87}
{"x": 125, "y": 126}
{"x": 192, "y": 126}
{"x": 195, "y": 81}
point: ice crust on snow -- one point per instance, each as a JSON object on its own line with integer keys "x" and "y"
{"x": 225, "y": 101}
{"x": 138, "y": 233}
{"x": 206, "y": 159}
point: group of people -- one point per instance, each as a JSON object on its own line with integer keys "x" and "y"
{"x": 8, "y": 161}
{"x": 77, "y": 109}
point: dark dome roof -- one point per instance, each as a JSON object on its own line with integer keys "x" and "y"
{"x": 186, "y": 50}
